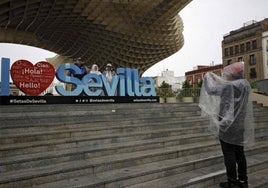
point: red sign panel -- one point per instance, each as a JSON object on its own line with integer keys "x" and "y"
{"x": 32, "y": 79}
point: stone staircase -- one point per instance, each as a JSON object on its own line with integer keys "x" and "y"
{"x": 118, "y": 145}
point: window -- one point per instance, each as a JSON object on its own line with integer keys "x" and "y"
{"x": 190, "y": 82}
{"x": 236, "y": 49}
{"x": 231, "y": 50}
{"x": 242, "y": 48}
{"x": 248, "y": 46}
{"x": 252, "y": 59}
{"x": 229, "y": 62}
{"x": 253, "y": 73}
{"x": 226, "y": 52}
{"x": 240, "y": 59}
{"x": 254, "y": 44}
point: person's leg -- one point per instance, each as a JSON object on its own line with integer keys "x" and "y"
{"x": 242, "y": 166}
{"x": 228, "y": 151}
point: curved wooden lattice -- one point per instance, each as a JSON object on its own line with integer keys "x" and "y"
{"x": 129, "y": 33}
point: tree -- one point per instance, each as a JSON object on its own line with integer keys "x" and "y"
{"x": 186, "y": 85}
{"x": 186, "y": 90}
{"x": 165, "y": 90}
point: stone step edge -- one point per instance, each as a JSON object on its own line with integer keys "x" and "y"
{"x": 85, "y": 151}
{"x": 174, "y": 163}
{"x": 100, "y": 120}
{"x": 199, "y": 178}
{"x": 256, "y": 179}
{"x": 166, "y": 108}
{"x": 110, "y": 159}
{"x": 90, "y": 163}
{"x": 12, "y": 133}
{"x": 70, "y": 132}
{"x": 105, "y": 111}
{"x": 77, "y": 107}
{"x": 81, "y": 148}
{"x": 122, "y": 175}
{"x": 259, "y": 119}
{"x": 77, "y": 140}
{"x": 100, "y": 127}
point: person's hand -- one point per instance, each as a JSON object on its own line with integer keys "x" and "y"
{"x": 214, "y": 77}
{"x": 207, "y": 75}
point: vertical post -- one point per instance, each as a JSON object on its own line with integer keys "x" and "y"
{"x": 5, "y": 66}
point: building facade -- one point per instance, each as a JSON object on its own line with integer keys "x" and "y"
{"x": 196, "y": 76}
{"x": 167, "y": 76}
{"x": 249, "y": 44}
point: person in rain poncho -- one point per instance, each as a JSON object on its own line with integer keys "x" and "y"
{"x": 226, "y": 101}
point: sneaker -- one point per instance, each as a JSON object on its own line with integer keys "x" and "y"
{"x": 228, "y": 185}
{"x": 242, "y": 184}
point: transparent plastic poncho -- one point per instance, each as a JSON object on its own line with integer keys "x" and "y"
{"x": 228, "y": 105}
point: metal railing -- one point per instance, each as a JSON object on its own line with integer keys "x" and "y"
{"x": 180, "y": 93}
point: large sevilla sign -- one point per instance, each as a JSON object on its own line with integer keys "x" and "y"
{"x": 32, "y": 79}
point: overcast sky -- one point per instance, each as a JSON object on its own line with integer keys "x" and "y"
{"x": 205, "y": 24}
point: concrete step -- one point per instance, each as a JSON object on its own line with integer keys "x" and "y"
{"x": 92, "y": 111}
{"x": 84, "y": 152}
{"x": 113, "y": 145}
{"x": 72, "y": 118}
{"x": 96, "y": 141}
{"x": 205, "y": 176}
{"x": 100, "y": 164}
{"x": 139, "y": 120}
{"x": 106, "y": 108}
{"x": 91, "y": 107}
{"x": 124, "y": 165}
{"x": 96, "y": 134}
{"x": 25, "y": 114}
{"x": 39, "y": 132}
{"x": 257, "y": 179}
{"x": 184, "y": 168}
{"x": 19, "y": 148}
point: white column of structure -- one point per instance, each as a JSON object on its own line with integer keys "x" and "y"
{"x": 265, "y": 53}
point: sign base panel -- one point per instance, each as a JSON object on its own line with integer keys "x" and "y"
{"x": 41, "y": 100}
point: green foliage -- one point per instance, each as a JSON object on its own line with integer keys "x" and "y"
{"x": 186, "y": 85}
{"x": 253, "y": 83}
{"x": 199, "y": 84}
{"x": 189, "y": 91}
{"x": 164, "y": 90}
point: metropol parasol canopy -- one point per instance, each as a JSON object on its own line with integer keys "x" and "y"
{"x": 127, "y": 33}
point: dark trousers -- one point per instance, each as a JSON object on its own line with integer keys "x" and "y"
{"x": 235, "y": 161}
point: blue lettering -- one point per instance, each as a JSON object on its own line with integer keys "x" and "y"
{"x": 61, "y": 76}
{"x": 147, "y": 88}
{"x": 136, "y": 82}
{"x": 5, "y": 66}
{"x": 93, "y": 84}
{"x": 129, "y": 85}
{"x": 110, "y": 89}
{"x": 122, "y": 81}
